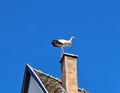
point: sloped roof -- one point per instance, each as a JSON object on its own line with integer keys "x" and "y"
{"x": 47, "y": 82}
{"x": 53, "y": 84}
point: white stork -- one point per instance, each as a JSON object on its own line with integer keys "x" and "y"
{"x": 62, "y": 43}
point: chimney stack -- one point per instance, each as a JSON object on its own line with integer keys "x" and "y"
{"x": 69, "y": 72}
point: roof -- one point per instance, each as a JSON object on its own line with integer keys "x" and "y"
{"x": 53, "y": 85}
{"x": 48, "y": 83}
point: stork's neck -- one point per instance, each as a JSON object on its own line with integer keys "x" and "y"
{"x": 72, "y": 38}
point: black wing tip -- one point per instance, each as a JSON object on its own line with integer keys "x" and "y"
{"x": 54, "y": 42}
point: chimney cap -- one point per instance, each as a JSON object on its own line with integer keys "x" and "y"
{"x": 68, "y": 54}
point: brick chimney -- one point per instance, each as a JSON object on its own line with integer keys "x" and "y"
{"x": 69, "y": 72}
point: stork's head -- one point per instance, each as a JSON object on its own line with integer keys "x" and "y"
{"x": 72, "y": 38}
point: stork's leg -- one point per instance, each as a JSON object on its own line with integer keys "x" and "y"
{"x": 62, "y": 50}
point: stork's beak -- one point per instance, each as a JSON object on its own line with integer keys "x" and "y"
{"x": 74, "y": 38}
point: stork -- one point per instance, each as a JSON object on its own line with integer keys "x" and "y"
{"x": 62, "y": 43}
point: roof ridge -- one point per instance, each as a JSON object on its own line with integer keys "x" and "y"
{"x": 48, "y": 75}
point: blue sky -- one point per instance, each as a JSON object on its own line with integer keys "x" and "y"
{"x": 28, "y": 26}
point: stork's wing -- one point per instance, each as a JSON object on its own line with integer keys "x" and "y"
{"x": 56, "y": 43}
{"x": 63, "y": 41}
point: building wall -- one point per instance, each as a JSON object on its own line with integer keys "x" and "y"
{"x": 34, "y": 87}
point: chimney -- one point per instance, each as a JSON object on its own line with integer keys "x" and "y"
{"x": 69, "y": 72}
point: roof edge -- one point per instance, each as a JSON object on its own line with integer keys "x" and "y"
{"x": 30, "y": 72}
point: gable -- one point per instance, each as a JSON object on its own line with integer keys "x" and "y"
{"x": 31, "y": 82}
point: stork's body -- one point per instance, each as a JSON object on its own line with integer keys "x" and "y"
{"x": 62, "y": 43}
